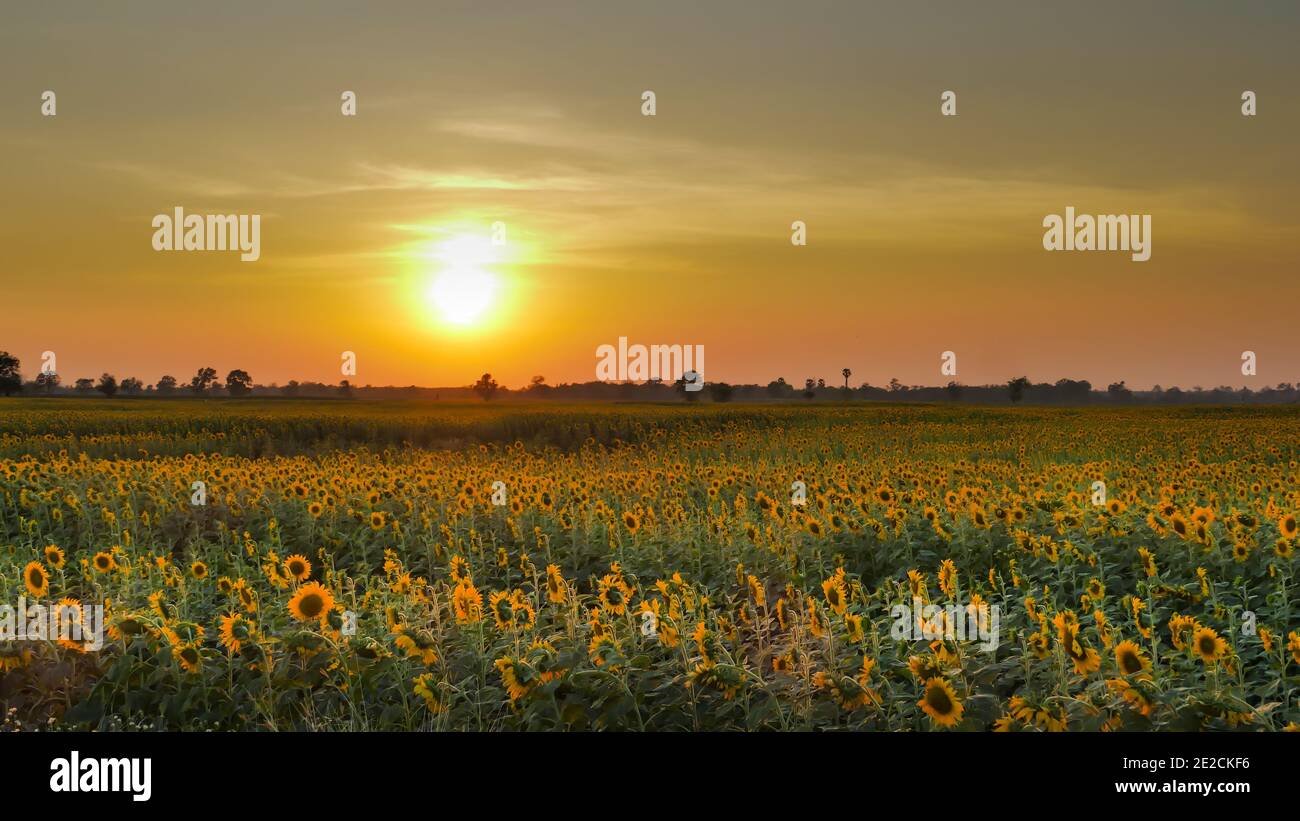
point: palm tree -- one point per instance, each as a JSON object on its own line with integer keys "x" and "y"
{"x": 846, "y": 373}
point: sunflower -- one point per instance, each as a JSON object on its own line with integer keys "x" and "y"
{"x": 298, "y": 567}
{"x": 1208, "y": 645}
{"x": 836, "y": 593}
{"x": 416, "y": 645}
{"x": 199, "y": 570}
{"x": 1148, "y": 562}
{"x": 235, "y": 629}
{"x": 312, "y": 602}
{"x": 940, "y": 703}
{"x": 517, "y": 676}
{"x": 631, "y": 522}
{"x": 377, "y": 520}
{"x": 614, "y": 594}
{"x": 468, "y": 603}
{"x": 556, "y": 589}
{"x": 1096, "y": 590}
{"x": 1086, "y": 660}
{"x": 69, "y": 614}
{"x": 188, "y": 656}
{"x": 1287, "y": 526}
{"x": 14, "y": 656}
{"x": 37, "y": 580}
{"x": 458, "y": 569}
{"x": 1129, "y": 658}
{"x": 247, "y": 598}
{"x": 103, "y": 562}
{"x": 126, "y": 626}
{"x": 948, "y": 578}
{"x": 500, "y": 604}
{"x": 427, "y": 689}
{"x": 54, "y": 556}
{"x": 315, "y": 509}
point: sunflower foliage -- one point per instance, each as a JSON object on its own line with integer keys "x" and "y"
{"x": 649, "y": 568}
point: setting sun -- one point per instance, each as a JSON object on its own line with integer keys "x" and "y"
{"x": 463, "y": 290}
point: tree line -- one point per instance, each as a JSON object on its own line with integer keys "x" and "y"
{"x": 238, "y": 383}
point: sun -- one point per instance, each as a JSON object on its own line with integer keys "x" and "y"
{"x": 461, "y": 295}
{"x": 464, "y": 290}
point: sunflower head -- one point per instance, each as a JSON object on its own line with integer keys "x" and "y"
{"x": 940, "y": 702}
{"x": 311, "y": 602}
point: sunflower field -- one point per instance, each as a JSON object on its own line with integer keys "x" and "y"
{"x": 286, "y": 564}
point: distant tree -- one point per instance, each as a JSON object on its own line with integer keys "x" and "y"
{"x": 846, "y": 373}
{"x": 1016, "y": 388}
{"x": 954, "y": 391}
{"x": 107, "y": 385}
{"x": 486, "y": 386}
{"x": 1119, "y": 392}
{"x": 85, "y": 385}
{"x": 780, "y": 388}
{"x": 720, "y": 391}
{"x": 895, "y": 386}
{"x": 47, "y": 381}
{"x": 290, "y": 388}
{"x": 239, "y": 383}
{"x": 537, "y": 385}
{"x": 821, "y": 383}
{"x": 1073, "y": 391}
{"x": 131, "y": 386}
{"x": 345, "y": 388}
{"x": 167, "y": 385}
{"x": 11, "y": 378}
{"x": 203, "y": 380}
{"x": 680, "y": 387}
{"x": 809, "y": 388}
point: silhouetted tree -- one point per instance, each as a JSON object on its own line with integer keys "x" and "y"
{"x": 47, "y": 381}
{"x": 239, "y": 383}
{"x": 486, "y": 386}
{"x": 680, "y": 387}
{"x": 1016, "y": 388}
{"x": 291, "y": 388}
{"x": 779, "y": 389}
{"x": 809, "y": 388}
{"x": 345, "y": 388}
{"x": 85, "y": 385}
{"x": 131, "y": 386}
{"x": 11, "y": 378}
{"x": 846, "y": 373}
{"x": 167, "y": 385}
{"x": 720, "y": 391}
{"x": 954, "y": 391}
{"x": 203, "y": 380}
{"x": 107, "y": 385}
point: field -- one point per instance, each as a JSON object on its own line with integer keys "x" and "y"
{"x": 353, "y": 565}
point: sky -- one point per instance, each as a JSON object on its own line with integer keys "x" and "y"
{"x": 924, "y": 232}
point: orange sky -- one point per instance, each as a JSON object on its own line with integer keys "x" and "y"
{"x": 924, "y": 231}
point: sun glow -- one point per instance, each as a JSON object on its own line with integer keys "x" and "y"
{"x": 463, "y": 289}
